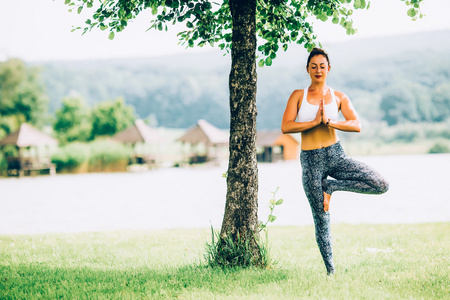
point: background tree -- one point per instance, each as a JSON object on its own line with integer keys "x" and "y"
{"x": 110, "y": 117}
{"x": 400, "y": 103}
{"x": 441, "y": 102}
{"x": 22, "y": 96}
{"x": 234, "y": 25}
{"x": 73, "y": 121}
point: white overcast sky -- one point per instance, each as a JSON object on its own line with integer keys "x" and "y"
{"x": 41, "y": 30}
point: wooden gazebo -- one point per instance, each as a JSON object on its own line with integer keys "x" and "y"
{"x": 140, "y": 133}
{"x": 273, "y": 146}
{"x": 24, "y": 138}
{"x": 209, "y": 136}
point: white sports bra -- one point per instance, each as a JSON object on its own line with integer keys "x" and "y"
{"x": 308, "y": 112}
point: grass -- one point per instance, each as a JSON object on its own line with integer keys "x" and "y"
{"x": 372, "y": 262}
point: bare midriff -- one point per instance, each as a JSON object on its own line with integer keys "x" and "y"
{"x": 318, "y": 137}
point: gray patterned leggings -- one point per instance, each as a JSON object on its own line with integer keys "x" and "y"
{"x": 350, "y": 175}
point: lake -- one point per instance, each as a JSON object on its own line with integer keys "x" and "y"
{"x": 195, "y": 197}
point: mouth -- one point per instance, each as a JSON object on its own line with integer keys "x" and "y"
{"x": 318, "y": 76}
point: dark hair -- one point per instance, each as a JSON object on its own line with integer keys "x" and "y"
{"x": 317, "y": 51}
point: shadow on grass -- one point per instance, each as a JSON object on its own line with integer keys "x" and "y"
{"x": 44, "y": 281}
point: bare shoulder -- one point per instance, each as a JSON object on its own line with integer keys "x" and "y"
{"x": 297, "y": 93}
{"x": 341, "y": 98}
{"x": 297, "y": 96}
{"x": 341, "y": 95}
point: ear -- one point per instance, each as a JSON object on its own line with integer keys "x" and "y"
{"x": 307, "y": 70}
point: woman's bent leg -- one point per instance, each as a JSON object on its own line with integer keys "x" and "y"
{"x": 354, "y": 176}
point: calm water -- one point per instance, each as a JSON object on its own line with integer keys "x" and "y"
{"x": 182, "y": 198}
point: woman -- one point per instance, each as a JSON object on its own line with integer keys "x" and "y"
{"x": 314, "y": 112}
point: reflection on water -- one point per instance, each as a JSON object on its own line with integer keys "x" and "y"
{"x": 177, "y": 197}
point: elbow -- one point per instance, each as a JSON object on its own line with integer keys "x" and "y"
{"x": 358, "y": 127}
{"x": 284, "y": 130}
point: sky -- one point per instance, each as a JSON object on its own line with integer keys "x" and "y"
{"x": 40, "y": 30}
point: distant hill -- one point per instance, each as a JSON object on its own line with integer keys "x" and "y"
{"x": 177, "y": 90}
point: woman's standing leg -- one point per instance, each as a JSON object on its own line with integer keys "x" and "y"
{"x": 313, "y": 173}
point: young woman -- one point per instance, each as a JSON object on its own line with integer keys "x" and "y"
{"x": 313, "y": 112}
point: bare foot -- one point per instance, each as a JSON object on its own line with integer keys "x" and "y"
{"x": 326, "y": 201}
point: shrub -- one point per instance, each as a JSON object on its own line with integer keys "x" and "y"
{"x": 439, "y": 148}
{"x": 3, "y": 163}
{"x": 106, "y": 152}
{"x": 70, "y": 156}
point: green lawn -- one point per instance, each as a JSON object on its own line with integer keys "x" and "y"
{"x": 372, "y": 262}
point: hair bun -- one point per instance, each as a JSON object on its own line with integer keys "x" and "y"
{"x": 317, "y": 51}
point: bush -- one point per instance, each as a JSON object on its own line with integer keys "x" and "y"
{"x": 3, "y": 163}
{"x": 105, "y": 153}
{"x": 70, "y": 156}
{"x": 439, "y": 148}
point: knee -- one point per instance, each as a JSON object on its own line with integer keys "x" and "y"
{"x": 383, "y": 186}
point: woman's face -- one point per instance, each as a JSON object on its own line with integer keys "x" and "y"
{"x": 318, "y": 68}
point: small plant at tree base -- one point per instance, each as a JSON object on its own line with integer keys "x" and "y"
{"x": 263, "y": 226}
{"x": 229, "y": 253}
{"x": 271, "y": 218}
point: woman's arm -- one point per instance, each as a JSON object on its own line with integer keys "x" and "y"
{"x": 351, "y": 122}
{"x": 288, "y": 123}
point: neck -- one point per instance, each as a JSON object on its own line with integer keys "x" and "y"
{"x": 319, "y": 86}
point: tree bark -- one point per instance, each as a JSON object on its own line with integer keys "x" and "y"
{"x": 241, "y": 209}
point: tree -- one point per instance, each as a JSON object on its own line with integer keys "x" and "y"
{"x": 441, "y": 102}
{"x": 110, "y": 117}
{"x": 73, "y": 121}
{"x": 22, "y": 96}
{"x": 234, "y": 25}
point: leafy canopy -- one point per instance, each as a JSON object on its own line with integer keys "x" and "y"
{"x": 22, "y": 96}
{"x": 279, "y": 22}
{"x": 110, "y": 117}
{"x": 73, "y": 121}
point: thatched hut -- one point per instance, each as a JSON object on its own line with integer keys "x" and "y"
{"x": 24, "y": 138}
{"x": 273, "y": 146}
{"x": 140, "y": 134}
{"x": 207, "y": 135}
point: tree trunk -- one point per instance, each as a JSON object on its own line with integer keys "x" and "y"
{"x": 241, "y": 210}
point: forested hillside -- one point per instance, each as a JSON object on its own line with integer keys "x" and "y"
{"x": 396, "y": 80}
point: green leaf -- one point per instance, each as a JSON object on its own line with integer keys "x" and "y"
{"x": 67, "y": 2}
{"x": 111, "y": 35}
{"x": 79, "y": 9}
{"x": 412, "y": 12}
{"x": 89, "y": 4}
{"x": 280, "y": 201}
{"x": 272, "y": 218}
{"x": 363, "y": 4}
{"x": 261, "y": 63}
